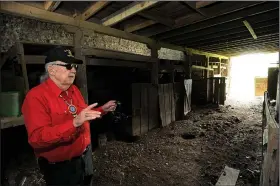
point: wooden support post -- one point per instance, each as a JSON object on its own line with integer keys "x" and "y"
{"x": 81, "y": 80}
{"x": 219, "y": 67}
{"x": 187, "y": 62}
{"x": 155, "y": 66}
{"x": 172, "y": 75}
{"x": 20, "y": 55}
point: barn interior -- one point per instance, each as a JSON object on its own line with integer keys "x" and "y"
{"x": 182, "y": 117}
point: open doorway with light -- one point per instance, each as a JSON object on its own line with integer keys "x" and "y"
{"x": 248, "y": 76}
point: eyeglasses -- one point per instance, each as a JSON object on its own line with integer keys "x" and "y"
{"x": 68, "y": 66}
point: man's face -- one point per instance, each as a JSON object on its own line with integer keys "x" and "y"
{"x": 62, "y": 74}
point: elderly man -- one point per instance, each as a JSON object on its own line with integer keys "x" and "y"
{"x": 57, "y": 122}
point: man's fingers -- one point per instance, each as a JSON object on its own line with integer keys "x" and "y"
{"x": 91, "y": 106}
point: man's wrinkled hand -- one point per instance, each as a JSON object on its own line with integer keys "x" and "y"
{"x": 110, "y": 106}
{"x": 86, "y": 114}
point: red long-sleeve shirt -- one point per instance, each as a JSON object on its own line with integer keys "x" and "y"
{"x": 50, "y": 125}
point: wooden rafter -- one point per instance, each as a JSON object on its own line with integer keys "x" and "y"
{"x": 93, "y": 9}
{"x": 14, "y": 8}
{"x": 158, "y": 18}
{"x": 138, "y": 26}
{"x": 126, "y": 12}
{"x": 201, "y": 4}
{"x": 250, "y": 29}
{"x": 192, "y": 5}
{"x": 51, "y": 5}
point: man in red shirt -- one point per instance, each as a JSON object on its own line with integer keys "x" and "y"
{"x": 57, "y": 122}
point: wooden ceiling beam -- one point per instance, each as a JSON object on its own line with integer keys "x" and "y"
{"x": 126, "y": 12}
{"x": 158, "y": 18}
{"x": 250, "y": 29}
{"x": 217, "y": 15}
{"x": 138, "y": 26}
{"x": 51, "y": 5}
{"x": 234, "y": 37}
{"x": 14, "y": 8}
{"x": 221, "y": 34}
{"x": 93, "y": 9}
{"x": 192, "y": 5}
{"x": 267, "y": 16}
{"x": 201, "y": 4}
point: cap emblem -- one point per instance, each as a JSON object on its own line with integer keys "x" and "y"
{"x": 69, "y": 53}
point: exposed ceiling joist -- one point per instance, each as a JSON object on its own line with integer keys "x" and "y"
{"x": 250, "y": 29}
{"x": 264, "y": 7}
{"x": 51, "y": 5}
{"x": 126, "y": 12}
{"x": 192, "y": 20}
{"x": 192, "y": 5}
{"x": 93, "y": 9}
{"x": 267, "y": 16}
{"x": 138, "y": 26}
{"x": 160, "y": 19}
{"x": 201, "y": 4}
{"x": 234, "y": 37}
{"x": 221, "y": 34}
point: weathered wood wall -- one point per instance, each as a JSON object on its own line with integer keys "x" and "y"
{"x": 270, "y": 165}
{"x": 144, "y": 108}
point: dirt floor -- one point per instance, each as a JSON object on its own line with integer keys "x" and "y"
{"x": 191, "y": 152}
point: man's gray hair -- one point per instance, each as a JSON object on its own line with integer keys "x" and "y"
{"x": 45, "y": 76}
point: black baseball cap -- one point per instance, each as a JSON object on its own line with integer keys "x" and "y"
{"x": 63, "y": 54}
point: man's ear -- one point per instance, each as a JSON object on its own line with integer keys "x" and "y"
{"x": 51, "y": 70}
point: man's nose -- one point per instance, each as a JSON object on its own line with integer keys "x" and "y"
{"x": 73, "y": 70}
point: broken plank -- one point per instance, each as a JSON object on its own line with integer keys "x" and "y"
{"x": 126, "y": 12}
{"x": 250, "y": 29}
{"x": 228, "y": 177}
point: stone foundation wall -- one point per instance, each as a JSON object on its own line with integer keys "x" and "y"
{"x": 13, "y": 28}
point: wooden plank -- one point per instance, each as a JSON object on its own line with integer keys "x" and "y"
{"x": 116, "y": 55}
{"x": 139, "y": 26}
{"x": 153, "y": 107}
{"x": 144, "y": 109}
{"x": 126, "y": 12}
{"x": 158, "y": 18}
{"x": 51, "y": 5}
{"x": 188, "y": 88}
{"x": 116, "y": 63}
{"x": 73, "y": 24}
{"x": 168, "y": 107}
{"x": 8, "y": 122}
{"x": 201, "y": 4}
{"x": 136, "y": 109}
{"x": 162, "y": 105}
{"x": 93, "y": 9}
{"x": 228, "y": 177}
{"x": 20, "y": 50}
{"x": 192, "y": 5}
{"x": 201, "y": 68}
{"x": 250, "y": 29}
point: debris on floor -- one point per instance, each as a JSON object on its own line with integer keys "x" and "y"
{"x": 191, "y": 152}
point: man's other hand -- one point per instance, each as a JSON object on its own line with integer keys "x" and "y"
{"x": 110, "y": 106}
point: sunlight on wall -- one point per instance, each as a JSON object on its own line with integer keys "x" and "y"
{"x": 244, "y": 69}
